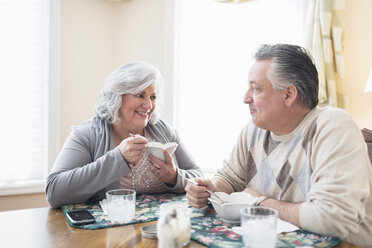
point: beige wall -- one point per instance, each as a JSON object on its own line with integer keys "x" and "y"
{"x": 99, "y": 35}
{"x": 87, "y": 31}
{"x": 358, "y": 61}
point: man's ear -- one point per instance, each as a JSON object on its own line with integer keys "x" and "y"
{"x": 290, "y": 95}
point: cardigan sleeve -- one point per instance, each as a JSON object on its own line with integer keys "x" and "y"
{"x": 76, "y": 176}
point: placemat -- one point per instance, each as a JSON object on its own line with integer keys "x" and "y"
{"x": 209, "y": 230}
{"x": 206, "y": 227}
{"x": 147, "y": 209}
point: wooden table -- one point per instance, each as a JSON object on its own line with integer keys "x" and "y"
{"x": 45, "y": 227}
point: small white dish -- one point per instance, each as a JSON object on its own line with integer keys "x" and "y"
{"x": 157, "y": 149}
{"x": 229, "y": 211}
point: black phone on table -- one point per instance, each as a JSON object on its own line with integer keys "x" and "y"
{"x": 80, "y": 217}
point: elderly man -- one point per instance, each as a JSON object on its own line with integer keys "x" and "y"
{"x": 307, "y": 162}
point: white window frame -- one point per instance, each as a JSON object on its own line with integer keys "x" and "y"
{"x": 170, "y": 60}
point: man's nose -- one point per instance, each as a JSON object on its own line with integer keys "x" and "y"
{"x": 247, "y": 97}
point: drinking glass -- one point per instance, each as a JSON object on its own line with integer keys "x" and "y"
{"x": 259, "y": 226}
{"x": 179, "y": 221}
{"x": 121, "y": 205}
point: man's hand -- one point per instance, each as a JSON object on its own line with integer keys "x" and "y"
{"x": 251, "y": 192}
{"x": 197, "y": 195}
{"x": 288, "y": 211}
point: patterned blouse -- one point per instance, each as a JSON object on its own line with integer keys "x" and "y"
{"x": 142, "y": 179}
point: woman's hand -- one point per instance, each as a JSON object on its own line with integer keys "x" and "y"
{"x": 165, "y": 171}
{"x": 132, "y": 149}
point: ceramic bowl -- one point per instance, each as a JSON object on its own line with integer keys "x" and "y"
{"x": 229, "y": 211}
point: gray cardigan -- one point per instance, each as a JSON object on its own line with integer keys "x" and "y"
{"x": 90, "y": 164}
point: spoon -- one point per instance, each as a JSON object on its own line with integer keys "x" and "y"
{"x": 210, "y": 192}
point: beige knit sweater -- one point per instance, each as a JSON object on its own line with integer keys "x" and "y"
{"x": 322, "y": 163}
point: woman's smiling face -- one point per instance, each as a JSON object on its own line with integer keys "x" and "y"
{"x": 136, "y": 110}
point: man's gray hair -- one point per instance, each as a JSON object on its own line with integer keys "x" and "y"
{"x": 292, "y": 65}
{"x": 132, "y": 78}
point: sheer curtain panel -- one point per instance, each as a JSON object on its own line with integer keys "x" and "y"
{"x": 324, "y": 29}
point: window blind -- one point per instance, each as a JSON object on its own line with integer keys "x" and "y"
{"x": 24, "y": 80}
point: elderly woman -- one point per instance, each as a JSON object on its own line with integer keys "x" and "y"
{"x": 107, "y": 151}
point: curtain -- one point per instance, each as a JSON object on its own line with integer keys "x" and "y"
{"x": 323, "y": 30}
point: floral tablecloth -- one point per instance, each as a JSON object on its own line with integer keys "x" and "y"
{"x": 206, "y": 227}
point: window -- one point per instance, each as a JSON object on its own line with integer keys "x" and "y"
{"x": 25, "y": 89}
{"x": 215, "y": 43}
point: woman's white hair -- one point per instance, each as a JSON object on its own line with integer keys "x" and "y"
{"x": 132, "y": 78}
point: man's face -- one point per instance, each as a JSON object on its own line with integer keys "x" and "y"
{"x": 265, "y": 104}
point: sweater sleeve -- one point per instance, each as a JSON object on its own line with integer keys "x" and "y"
{"x": 335, "y": 204}
{"x": 75, "y": 176}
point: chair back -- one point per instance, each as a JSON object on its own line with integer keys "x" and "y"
{"x": 367, "y": 134}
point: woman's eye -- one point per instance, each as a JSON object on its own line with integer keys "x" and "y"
{"x": 139, "y": 95}
{"x": 153, "y": 97}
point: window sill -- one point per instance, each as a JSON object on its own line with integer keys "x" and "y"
{"x": 22, "y": 187}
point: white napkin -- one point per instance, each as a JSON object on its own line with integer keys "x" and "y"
{"x": 284, "y": 226}
{"x": 103, "y": 205}
{"x": 281, "y": 226}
